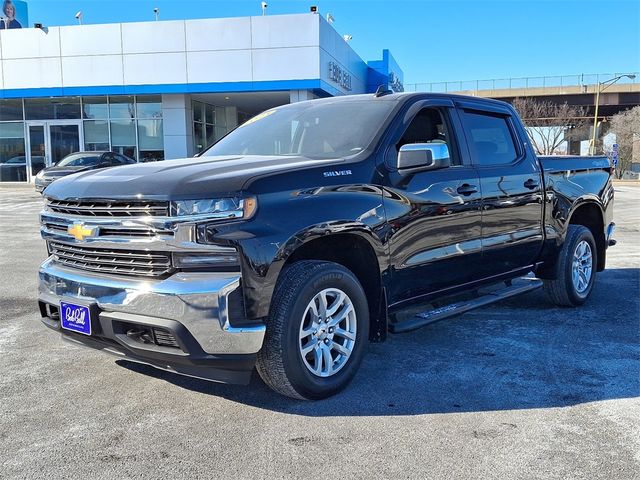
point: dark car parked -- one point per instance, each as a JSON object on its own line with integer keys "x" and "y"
{"x": 79, "y": 162}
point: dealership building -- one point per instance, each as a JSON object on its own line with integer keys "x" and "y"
{"x": 164, "y": 89}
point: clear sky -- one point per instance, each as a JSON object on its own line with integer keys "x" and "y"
{"x": 432, "y": 40}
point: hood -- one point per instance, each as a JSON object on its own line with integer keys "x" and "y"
{"x": 51, "y": 172}
{"x": 189, "y": 178}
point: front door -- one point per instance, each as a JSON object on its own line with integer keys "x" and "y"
{"x": 50, "y": 142}
{"x": 434, "y": 216}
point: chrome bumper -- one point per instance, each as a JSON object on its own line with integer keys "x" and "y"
{"x": 198, "y": 301}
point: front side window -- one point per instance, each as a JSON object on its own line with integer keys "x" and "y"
{"x": 489, "y": 137}
{"x": 429, "y": 127}
{"x": 319, "y": 130}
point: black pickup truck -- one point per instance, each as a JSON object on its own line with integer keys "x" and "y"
{"x": 313, "y": 229}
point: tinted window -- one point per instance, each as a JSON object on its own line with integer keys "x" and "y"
{"x": 52, "y": 108}
{"x": 489, "y": 137}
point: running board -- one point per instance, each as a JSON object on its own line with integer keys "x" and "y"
{"x": 453, "y": 309}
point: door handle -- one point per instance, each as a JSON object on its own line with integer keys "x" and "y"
{"x": 531, "y": 184}
{"x": 467, "y": 189}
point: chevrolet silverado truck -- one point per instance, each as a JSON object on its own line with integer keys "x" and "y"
{"x": 311, "y": 230}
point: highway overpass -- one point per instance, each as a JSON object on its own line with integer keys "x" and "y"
{"x": 573, "y": 89}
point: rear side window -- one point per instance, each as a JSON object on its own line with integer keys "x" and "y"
{"x": 489, "y": 137}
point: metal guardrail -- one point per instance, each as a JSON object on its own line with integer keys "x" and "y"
{"x": 582, "y": 79}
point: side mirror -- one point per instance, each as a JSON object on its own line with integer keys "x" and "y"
{"x": 415, "y": 157}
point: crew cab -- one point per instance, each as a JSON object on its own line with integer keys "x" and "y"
{"x": 311, "y": 230}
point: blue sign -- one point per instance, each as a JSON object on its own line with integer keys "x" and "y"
{"x": 614, "y": 154}
{"x": 75, "y": 318}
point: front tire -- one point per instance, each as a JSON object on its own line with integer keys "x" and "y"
{"x": 317, "y": 331}
{"x": 575, "y": 269}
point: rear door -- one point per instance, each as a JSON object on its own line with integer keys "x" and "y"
{"x": 511, "y": 185}
{"x": 434, "y": 217}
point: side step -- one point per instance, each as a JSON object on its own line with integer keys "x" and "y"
{"x": 440, "y": 313}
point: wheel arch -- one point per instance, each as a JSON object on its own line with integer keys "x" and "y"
{"x": 360, "y": 253}
{"x": 590, "y": 214}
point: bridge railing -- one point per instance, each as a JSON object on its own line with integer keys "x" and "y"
{"x": 582, "y": 79}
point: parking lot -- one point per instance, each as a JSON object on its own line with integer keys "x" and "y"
{"x": 520, "y": 389}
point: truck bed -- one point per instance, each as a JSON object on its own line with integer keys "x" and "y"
{"x": 562, "y": 163}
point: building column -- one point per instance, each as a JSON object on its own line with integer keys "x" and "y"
{"x": 300, "y": 96}
{"x": 177, "y": 124}
{"x": 231, "y": 117}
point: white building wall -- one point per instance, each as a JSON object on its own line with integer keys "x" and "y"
{"x": 251, "y": 49}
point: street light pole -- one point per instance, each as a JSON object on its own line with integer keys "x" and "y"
{"x": 602, "y": 86}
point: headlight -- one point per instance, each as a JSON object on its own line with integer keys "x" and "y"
{"x": 222, "y": 258}
{"x": 217, "y": 208}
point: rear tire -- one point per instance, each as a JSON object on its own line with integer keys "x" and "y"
{"x": 575, "y": 269}
{"x": 317, "y": 330}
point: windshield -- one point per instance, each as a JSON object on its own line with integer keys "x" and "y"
{"x": 316, "y": 130}
{"x": 79, "y": 160}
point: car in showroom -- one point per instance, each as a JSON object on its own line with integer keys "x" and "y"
{"x": 79, "y": 162}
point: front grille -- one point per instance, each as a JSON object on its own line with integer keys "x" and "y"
{"x": 144, "y": 232}
{"x": 132, "y": 232}
{"x": 109, "y": 208}
{"x": 120, "y": 262}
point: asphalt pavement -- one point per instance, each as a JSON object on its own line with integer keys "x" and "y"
{"x": 518, "y": 390}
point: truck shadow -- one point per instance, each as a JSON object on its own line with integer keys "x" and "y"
{"x": 519, "y": 354}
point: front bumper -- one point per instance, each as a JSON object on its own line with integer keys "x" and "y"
{"x": 201, "y": 311}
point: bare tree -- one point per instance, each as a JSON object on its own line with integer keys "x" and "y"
{"x": 626, "y": 126}
{"x": 548, "y": 123}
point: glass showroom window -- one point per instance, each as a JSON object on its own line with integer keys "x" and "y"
{"x": 122, "y": 107}
{"x": 96, "y": 130}
{"x": 11, "y": 110}
{"x": 95, "y": 108}
{"x": 150, "y": 134}
{"x": 123, "y": 137}
{"x": 150, "y": 140}
{"x": 209, "y": 125}
{"x": 96, "y": 135}
{"x": 62, "y": 108}
{"x": 13, "y": 160}
{"x": 127, "y": 124}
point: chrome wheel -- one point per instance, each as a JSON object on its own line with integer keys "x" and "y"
{"x": 327, "y": 332}
{"x": 582, "y": 267}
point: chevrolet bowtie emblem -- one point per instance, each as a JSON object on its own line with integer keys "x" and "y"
{"x": 79, "y": 231}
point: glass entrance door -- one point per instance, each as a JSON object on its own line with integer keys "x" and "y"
{"x": 50, "y": 142}
{"x": 37, "y": 148}
{"x": 64, "y": 139}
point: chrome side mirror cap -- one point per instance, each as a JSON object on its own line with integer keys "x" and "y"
{"x": 414, "y": 157}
